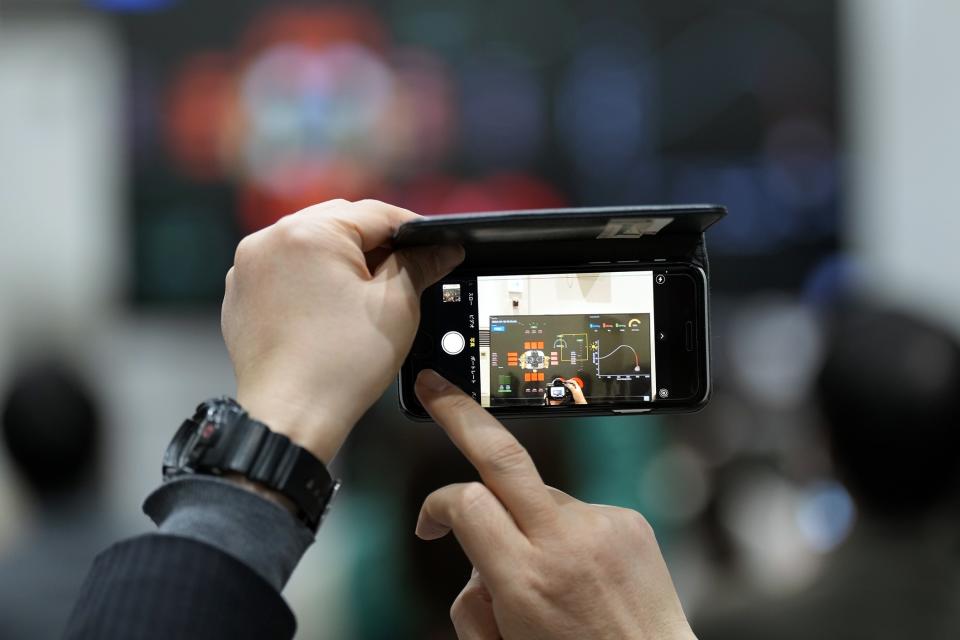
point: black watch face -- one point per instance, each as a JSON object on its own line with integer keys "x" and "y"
{"x": 198, "y": 435}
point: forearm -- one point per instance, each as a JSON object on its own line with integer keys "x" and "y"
{"x": 237, "y": 520}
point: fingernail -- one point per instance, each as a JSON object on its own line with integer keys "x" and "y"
{"x": 427, "y": 530}
{"x": 432, "y": 380}
{"x": 448, "y": 256}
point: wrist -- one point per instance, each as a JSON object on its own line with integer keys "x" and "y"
{"x": 263, "y": 491}
{"x": 318, "y": 431}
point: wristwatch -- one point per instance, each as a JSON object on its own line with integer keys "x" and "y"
{"x": 221, "y": 438}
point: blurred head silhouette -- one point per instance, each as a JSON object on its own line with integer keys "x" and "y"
{"x": 51, "y": 429}
{"x": 890, "y": 394}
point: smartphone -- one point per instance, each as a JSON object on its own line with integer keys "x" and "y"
{"x": 620, "y": 338}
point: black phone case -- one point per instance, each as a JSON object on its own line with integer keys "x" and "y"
{"x": 591, "y": 237}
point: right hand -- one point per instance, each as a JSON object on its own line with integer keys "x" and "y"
{"x": 576, "y": 392}
{"x": 545, "y": 564}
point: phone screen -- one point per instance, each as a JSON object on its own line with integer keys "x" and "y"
{"x": 594, "y": 337}
{"x": 538, "y": 331}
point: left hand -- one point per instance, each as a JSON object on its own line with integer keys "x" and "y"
{"x": 319, "y": 314}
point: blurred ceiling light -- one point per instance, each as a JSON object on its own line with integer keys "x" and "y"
{"x": 733, "y": 431}
{"x": 674, "y": 485}
{"x": 759, "y": 510}
{"x": 775, "y": 347}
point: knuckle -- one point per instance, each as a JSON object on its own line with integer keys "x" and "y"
{"x": 324, "y": 208}
{"x": 459, "y": 606}
{"x": 295, "y": 232}
{"x": 244, "y": 252}
{"x": 602, "y": 526}
{"x": 472, "y": 595}
{"x": 473, "y": 497}
{"x": 638, "y": 526}
{"x": 455, "y": 609}
{"x": 507, "y": 456}
{"x": 339, "y": 226}
{"x": 461, "y": 404}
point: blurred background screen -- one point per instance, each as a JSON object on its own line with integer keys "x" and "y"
{"x": 239, "y": 116}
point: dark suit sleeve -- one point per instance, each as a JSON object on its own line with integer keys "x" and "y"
{"x": 164, "y": 586}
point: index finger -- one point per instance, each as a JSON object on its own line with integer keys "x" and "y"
{"x": 371, "y": 223}
{"x": 504, "y": 465}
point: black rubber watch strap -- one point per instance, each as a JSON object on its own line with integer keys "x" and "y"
{"x": 221, "y": 438}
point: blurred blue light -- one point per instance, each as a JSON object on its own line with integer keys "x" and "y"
{"x": 603, "y": 110}
{"x": 763, "y": 221}
{"x": 754, "y": 228}
{"x": 825, "y": 517}
{"x": 132, "y": 6}
{"x": 832, "y": 280}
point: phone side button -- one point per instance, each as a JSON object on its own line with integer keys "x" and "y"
{"x": 629, "y": 411}
{"x": 688, "y": 338}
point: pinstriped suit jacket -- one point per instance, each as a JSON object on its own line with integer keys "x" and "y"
{"x": 167, "y": 587}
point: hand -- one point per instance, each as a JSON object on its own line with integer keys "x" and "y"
{"x": 319, "y": 313}
{"x": 576, "y": 392}
{"x": 546, "y": 565}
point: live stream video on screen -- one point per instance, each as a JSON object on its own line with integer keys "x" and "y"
{"x": 562, "y": 339}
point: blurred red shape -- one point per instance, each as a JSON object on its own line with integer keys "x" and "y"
{"x": 314, "y": 28}
{"x": 501, "y": 192}
{"x": 200, "y": 106}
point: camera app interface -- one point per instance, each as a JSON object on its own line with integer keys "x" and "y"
{"x": 564, "y": 339}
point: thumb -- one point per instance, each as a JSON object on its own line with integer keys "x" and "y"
{"x": 421, "y": 266}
